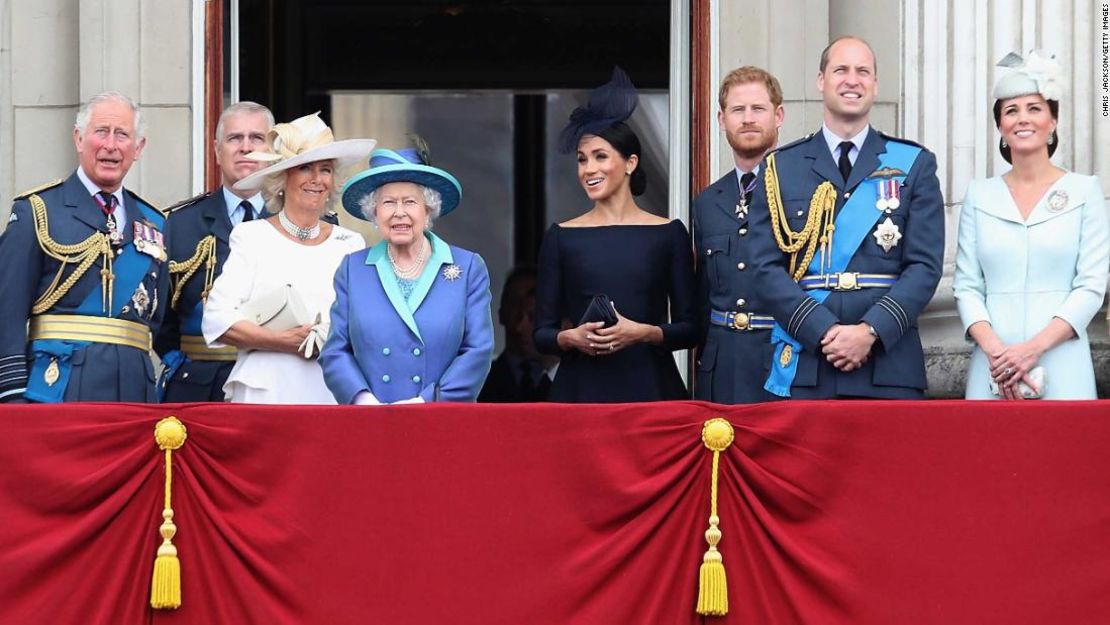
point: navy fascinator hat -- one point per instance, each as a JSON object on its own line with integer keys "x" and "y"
{"x": 607, "y": 106}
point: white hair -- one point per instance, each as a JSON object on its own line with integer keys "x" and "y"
{"x": 246, "y": 106}
{"x": 85, "y": 112}
{"x": 433, "y": 202}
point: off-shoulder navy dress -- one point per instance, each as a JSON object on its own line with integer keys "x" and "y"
{"x": 648, "y": 273}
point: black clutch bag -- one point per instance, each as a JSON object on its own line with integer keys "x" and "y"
{"x": 600, "y": 309}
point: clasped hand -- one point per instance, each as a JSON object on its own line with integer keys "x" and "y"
{"x": 1010, "y": 365}
{"x": 593, "y": 339}
{"x": 847, "y": 347}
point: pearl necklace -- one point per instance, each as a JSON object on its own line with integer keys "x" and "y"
{"x": 304, "y": 234}
{"x": 414, "y": 269}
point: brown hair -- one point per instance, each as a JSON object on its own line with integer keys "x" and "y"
{"x": 1004, "y": 150}
{"x": 747, "y": 74}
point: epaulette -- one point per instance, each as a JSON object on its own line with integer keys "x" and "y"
{"x": 145, "y": 201}
{"x": 794, "y": 143}
{"x": 901, "y": 140}
{"x": 189, "y": 202}
{"x": 41, "y": 187}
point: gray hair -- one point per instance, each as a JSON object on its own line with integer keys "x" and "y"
{"x": 433, "y": 202}
{"x": 85, "y": 112}
{"x": 273, "y": 189}
{"x": 246, "y": 106}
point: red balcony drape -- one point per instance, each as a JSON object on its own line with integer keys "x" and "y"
{"x": 946, "y": 513}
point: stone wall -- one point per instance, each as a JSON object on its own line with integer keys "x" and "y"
{"x": 56, "y": 53}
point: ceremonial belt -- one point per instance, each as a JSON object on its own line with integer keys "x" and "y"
{"x": 90, "y": 329}
{"x": 195, "y": 348}
{"x": 847, "y": 281}
{"x": 741, "y": 321}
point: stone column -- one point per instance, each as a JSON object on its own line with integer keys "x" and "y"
{"x": 57, "y": 53}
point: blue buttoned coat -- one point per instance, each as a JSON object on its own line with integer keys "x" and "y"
{"x": 94, "y": 371}
{"x": 731, "y": 365}
{"x": 436, "y": 345}
{"x": 896, "y": 368}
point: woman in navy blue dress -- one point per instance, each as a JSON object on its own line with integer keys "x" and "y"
{"x": 641, "y": 262}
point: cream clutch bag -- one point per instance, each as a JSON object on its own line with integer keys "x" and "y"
{"x": 1037, "y": 375}
{"x": 278, "y": 310}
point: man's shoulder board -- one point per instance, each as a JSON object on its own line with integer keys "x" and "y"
{"x": 144, "y": 201}
{"x": 40, "y": 188}
{"x": 186, "y": 203}
{"x": 901, "y": 140}
{"x": 794, "y": 143}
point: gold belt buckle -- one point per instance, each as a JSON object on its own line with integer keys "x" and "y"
{"x": 740, "y": 321}
{"x": 847, "y": 281}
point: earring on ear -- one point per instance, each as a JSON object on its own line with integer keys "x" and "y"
{"x": 1052, "y": 138}
{"x": 1004, "y": 144}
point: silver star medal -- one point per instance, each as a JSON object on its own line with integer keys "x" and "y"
{"x": 140, "y": 299}
{"x": 887, "y": 235}
{"x": 1057, "y": 201}
{"x": 452, "y": 272}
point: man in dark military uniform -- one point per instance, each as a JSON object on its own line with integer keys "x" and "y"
{"x": 847, "y": 244}
{"x": 85, "y": 273}
{"x": 735, "y": 346}
{"x": 197, "y": 234}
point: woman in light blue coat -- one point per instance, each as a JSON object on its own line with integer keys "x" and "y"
{"x": 411, "y": 321}
{"x": 1031, "y": 268}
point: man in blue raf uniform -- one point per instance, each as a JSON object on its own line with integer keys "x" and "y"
{"x": 197, "y": 232}
{"x": 85, "y": 279}
{"x": 735, "y": 346}
{"x": 848, "y": 238}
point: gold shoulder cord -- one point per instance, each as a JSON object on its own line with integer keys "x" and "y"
{"x": 819, "y": 222}
{"x": 181, "y": 272}
{"x": 83, "y": 253}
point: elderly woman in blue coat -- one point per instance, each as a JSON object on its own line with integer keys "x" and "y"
{"x": 411, "y": 321}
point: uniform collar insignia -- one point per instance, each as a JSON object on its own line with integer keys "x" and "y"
{"x": 887, "y": 172}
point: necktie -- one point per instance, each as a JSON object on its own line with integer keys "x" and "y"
{"x": 527, "y": 384}
{"x": 845, "y": 164}
{"x": 107, "y": 203}
{"x": 248, "y": 210}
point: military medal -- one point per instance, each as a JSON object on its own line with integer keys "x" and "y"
{"x": 114, "y": 235}
{"x": 140, "y": 300}
{"x": 742, "y": 204}
{"x": 888, "y": 190}
{"x": 452, "y": 272}
{"x": 887, "y": 235}
{"x": 1057, "y": 201}
{"x": 149, "y": 240}
{"x": 52, "y": 373}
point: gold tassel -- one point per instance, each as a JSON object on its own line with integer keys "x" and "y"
{"x": 165, "y": 587}
{"x": 717, "y": 434}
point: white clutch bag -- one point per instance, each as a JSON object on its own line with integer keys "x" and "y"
{"x": 1037, "y": 375}
{"x": 278, "y": 310}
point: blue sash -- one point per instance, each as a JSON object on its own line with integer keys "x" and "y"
{"x": 854, "y": 222}
{"x": 130, "y": 268}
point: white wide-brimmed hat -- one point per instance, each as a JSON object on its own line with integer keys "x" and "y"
{"x": 304, "y": 140}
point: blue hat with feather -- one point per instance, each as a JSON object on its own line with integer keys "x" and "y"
{"x": 403, "y": 165}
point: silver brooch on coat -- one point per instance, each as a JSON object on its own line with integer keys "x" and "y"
{"x": 140, "y": 299}
{"x": 1057, "y": 201}
{"x": 887, "y": 235}
{"x": 452, "y": 272}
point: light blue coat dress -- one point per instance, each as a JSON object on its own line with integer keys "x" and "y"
{"x": 437, "y": 344}
{"x": 1019, "y": 274}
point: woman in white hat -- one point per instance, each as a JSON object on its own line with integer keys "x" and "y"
{"x": 411, "y": 321}
{"x": 1031, "y": 267}
{"x": 273, "y": 297}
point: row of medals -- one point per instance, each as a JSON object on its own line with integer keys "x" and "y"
{"x": 148, "y": 240}
{"x": 889, "y": 192}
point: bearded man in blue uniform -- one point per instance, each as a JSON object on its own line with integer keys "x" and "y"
{"x": 197, "y": 231}
{"x": 85, "y": 273}
{"x": 848, "y": 240}
{"x": 735, "y": 345}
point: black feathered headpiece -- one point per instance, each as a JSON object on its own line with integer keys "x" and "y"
{"x": 608, "y": 104}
